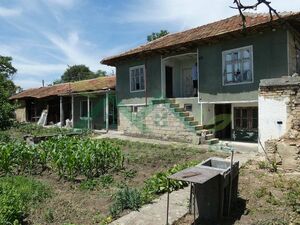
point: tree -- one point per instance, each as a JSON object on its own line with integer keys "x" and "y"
{"x": 7, "y": 88}
{"x": 100, "y": 73}
{"x": 157, "y": 35}
{"x": 77, "y": 73}
{"x": 241, "y": 7}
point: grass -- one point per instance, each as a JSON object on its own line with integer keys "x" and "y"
{"x": 18, "y": 195}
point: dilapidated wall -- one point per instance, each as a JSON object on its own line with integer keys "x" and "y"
{"x": 279, "y": 107}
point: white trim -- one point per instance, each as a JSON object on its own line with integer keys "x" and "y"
{"x": 252, "y": 66}
{"x": 81, "y": 117}
{"x": 162, "y": 74}
{"x": 127, "y": 105}
{"x": 229, "y": 102}
{"x": 288, "y": 51}
{"x": 136, "y": 67}
{"x": 198, "y": 78}
{"x": 176, "y": 56}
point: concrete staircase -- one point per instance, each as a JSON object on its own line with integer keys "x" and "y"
{"x": 206, "y": 136}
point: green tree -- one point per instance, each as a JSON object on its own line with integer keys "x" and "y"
{"x": 77, "y": 73}
{"x": 7, "y": 88}
{"x": 157, "y": 35}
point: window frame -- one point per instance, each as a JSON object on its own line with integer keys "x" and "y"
{"x": 249, "y": 117}
{"x": 130, "y": 75}
{"x": 91, "y": 108}
{"x": 224, "y": 53}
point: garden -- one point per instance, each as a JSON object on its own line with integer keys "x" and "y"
{"x": 81, "y": 180}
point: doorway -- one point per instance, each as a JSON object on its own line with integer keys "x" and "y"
{"x": 187, "y": 82}
{"x": 223, "y": 121}
{"x": 169, "y": 82}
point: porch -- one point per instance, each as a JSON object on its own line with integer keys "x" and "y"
{"x": 177, "y": 76}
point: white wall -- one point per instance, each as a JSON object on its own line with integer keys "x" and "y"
{"x": 271, "y": 111}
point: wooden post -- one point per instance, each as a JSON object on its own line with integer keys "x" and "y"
{"x": 61, "y": 111}
{"x": 88, "y": 111}
{"x": 107, "y": 111}
{"x": 72, "y": 106}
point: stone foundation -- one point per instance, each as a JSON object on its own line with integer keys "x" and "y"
{"x": 157, "y": 121}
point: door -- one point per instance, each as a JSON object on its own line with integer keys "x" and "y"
{"x": 187, "y": 83}
{"x": 223, "y": 121}
{"x": 169, "y": 82}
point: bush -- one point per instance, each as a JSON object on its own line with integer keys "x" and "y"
{"x": 126, "y": 198}
{"x": 158, "y": 183}
{"x": 17, "y": 196}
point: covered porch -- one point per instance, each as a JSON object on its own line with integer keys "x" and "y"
{"x": 177, "y": 76}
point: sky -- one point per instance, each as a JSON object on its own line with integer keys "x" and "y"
{"x": 44, "y": 37}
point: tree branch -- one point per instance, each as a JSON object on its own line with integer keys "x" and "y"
{"x": 241, "y": 8}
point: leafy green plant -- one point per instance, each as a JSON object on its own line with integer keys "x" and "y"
{"x": 261, "y": 192}
{"x": 17, "y": 195}
{"x": 158, "y": 183}
{"x": 126, "y": 198}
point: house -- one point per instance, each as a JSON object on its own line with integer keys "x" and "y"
{"x": 89, "y": 104}
{"x": 155, "y": 95}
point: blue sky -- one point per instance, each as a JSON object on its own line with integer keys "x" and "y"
{"x": 45, "y": 36}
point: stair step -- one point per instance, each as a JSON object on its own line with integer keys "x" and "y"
{"x": 198, "y": 127}
{"x": 212, "y": 141}
{"x": 174, "y": 105}
{"x": 184, "y": 114}
{"x": 209, "y": 136}
{"x": 189, "y": 118}
{"x": 179, "y": 109}
{"x": 170, "y": 101}
{"x": 193, "y": 123}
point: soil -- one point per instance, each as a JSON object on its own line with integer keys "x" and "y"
{"x": 263, "y": 199}
{"x": 70, "y": 204}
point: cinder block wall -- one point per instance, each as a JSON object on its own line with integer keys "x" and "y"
{"x": 155, "y": 121}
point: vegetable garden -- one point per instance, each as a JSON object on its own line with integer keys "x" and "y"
{"x": 110, "y": 176}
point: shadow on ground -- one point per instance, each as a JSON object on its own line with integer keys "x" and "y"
{"x": 238, "y": 210}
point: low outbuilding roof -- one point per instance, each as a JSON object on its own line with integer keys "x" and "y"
{"x": 203, "y": 34}
{"x": 97, "y": 84}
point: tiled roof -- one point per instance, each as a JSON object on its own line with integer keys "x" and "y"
{"x": 202, "y": 33}
{"x": 97, "y": 84}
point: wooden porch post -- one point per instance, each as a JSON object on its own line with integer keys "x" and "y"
{"x": 88, "y": 111}
{"x": 72, "y": 106}
{"x": 61, "y": 111}
{"x": 106, "y": 111}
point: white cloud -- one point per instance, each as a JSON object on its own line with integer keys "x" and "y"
{"x": 190, "y": 13}
{"x": 61, "y": 3}
{"x": 26, "y": 83}
{"x": 6, "y": 12}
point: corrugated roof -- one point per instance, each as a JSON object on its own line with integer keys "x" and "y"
{"x": 205, "y": 32}
{"x": 97, "y": 84}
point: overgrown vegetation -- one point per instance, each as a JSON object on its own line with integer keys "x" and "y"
{"x": 17, "y": 196}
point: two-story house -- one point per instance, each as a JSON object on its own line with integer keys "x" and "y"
{"x": 158, "y": 94}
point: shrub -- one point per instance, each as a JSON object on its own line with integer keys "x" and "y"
{"x": 126, "y": 198}
{"x": 158, "y": 183}
{"x": 17, "y": 195}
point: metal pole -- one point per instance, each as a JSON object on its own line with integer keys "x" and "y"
{"x": 191, "y": 199}
{"x": 168, "y": 199}
{"x": 194, "y": 190}
{"x": 230, "y": 185}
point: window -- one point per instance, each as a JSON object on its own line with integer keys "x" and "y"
{"x": 83, "y": 109}
{"x": 137, "y": 78}
{"x": 246, "y": 118}
{"x": 238, "y": 66}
